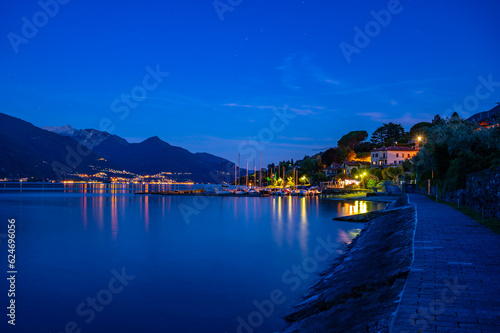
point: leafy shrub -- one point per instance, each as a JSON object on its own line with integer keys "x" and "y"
{"x": 369, "y": 181}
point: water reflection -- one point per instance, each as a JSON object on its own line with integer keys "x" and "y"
{"x": 304, "y": 230}
{"x": 218, "y": 257}
{"x": 78, "y": 187}
{"x": 114, "y": 217}
{"x": 353, "y": 233}
{"x": 359, "y": 207}
{"x": 146, "y": 213}
{"x": 290, "y": 216}
{"x": 98, "y": 211}
{"x": 279, "y": 234}
{"x": 83, "y": 210}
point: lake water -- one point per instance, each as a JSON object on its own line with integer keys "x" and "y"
{"x": 101, "y": 259}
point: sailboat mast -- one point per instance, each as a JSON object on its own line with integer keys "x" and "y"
{"x": 294, "y": 177}
{"x": 284, "y": 175}
{"x": 254, "y": 174}
{"x": 260, "y": 170}
{"x": 272, "y": 174}
{"x": 246, "y": 178}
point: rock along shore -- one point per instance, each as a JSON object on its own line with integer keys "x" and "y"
{"x": 360, "y": 292}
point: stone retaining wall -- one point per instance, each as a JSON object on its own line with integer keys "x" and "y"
{"x": 360, "y": 292}
{"x": 483, "y": 192}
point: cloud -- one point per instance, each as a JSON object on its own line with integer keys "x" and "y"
{"x": 314, "y": 107}
{"x": 406, "y": 119}
{"x": 301, "y": 69}
{"x": 295, "y": 138}
{"x": 372, "y": 115}
{"x": 302, "y": 112}
{"x": 378, "y": 87}
{"x": 316, "y": 72}
{"x": 288, "y": 73}
{"x": 294, "y": 145}
{"x": 252, "y": 106}
{"x": 332, "y": 81}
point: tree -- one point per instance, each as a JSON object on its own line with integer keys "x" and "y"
{"x": 346, "y": 154}
{"x": 437, "y": 120}
{"x": 309, "y": 166}
{"x": 352, "y": 139}
{"x": 419, "y": 128}
{"x": 393, "y": 173}
{"x": 369, "y": 181}
{"x": 407, "y": 165}
{"x": 454, "y": 149}
{"x": 364, "y": 147}
{"x": 455, "y": 116}
{"x": 330, "y": 156}
{"x": 387, "y": 134}
{"x": 320, "y": 177}
{"x": 376, "y": 172}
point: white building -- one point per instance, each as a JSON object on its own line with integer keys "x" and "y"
{"x": 394, "y": 155}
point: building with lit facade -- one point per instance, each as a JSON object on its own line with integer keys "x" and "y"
{"x": 393, "y": 155}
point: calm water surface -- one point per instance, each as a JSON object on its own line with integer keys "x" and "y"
{"x": 198, "y": 264}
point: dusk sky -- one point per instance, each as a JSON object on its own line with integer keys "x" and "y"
{"x": 231, "y": 71}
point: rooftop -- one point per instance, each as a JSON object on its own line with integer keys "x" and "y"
{"x": 395, "y": 148}
{"x": 355, "y": 163}
{"x": 334, "y": 166}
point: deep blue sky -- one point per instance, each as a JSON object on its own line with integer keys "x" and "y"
{"x": 226, "y": 76}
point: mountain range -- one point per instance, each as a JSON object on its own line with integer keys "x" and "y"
{"x": 63, "y": 152}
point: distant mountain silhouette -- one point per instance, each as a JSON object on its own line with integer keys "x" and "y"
{"x": 29, "y": 151}
{"x": 151, "y": 156}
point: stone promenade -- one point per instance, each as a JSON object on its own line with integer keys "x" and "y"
{"x": 454, "y": 283}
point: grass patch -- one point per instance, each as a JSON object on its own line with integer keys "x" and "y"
{"x": 349, "y": 195}
{"x": 491, "y": 223}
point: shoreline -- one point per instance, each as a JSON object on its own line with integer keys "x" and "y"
{"x": 361, "y": 290}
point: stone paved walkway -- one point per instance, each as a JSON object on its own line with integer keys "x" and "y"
{"x": 454, "y": 284}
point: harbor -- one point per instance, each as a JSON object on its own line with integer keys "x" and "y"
{"x": 245, "y": 192}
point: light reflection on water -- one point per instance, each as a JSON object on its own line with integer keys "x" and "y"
{"x": 188, "y": 276}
